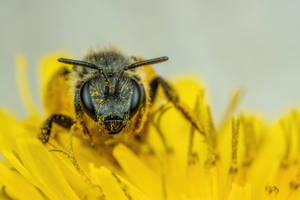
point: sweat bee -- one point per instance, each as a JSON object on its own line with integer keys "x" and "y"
{"x": 108, "y": 95}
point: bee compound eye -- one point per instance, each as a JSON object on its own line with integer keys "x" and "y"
{"x": 137, "y": 98}
{"x": 87, "y": 100}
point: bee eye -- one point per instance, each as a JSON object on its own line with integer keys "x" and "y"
{"x": 87, "y": 100}
{"x": 138, "y": 97}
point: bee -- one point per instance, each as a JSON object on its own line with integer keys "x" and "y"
{"x": 108, "y": 95}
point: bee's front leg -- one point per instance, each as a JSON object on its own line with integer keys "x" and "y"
{"x": 173, "y": 97}
{"x": 60, "y": 119}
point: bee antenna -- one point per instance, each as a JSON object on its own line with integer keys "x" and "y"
{"x": 84, "y": 64}
{"x": 146, "y": 62}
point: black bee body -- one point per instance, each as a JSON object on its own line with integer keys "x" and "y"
{"x": 112, "y": 96}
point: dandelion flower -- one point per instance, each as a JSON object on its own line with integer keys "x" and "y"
{"x": 243, "y": 157}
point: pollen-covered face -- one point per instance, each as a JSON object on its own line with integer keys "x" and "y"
{"x": 113, "y": 105}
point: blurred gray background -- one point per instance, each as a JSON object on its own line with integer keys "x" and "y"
{"x": 254, "y": 44}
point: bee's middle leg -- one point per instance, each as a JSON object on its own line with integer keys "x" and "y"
{"x": 60, "y": 119}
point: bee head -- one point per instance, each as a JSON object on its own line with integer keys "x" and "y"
{"x": 113, "y": 110}
{"x": 112, "y": 99}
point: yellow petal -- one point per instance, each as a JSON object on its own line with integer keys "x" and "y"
{"x": 239, "y": 192}
{"x": 143, "y": 177}
{"x": 16, "y": 186}
{"x": 109, "y": 184}
{"x": 44, "y": 169}
{"x": 23, "y": 85}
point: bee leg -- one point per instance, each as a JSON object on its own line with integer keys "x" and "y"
{"x": 62, "y": 120}
{"x": 173, "y": 97}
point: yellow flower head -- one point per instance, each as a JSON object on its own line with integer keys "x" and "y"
{"x": 243, "y": 157}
